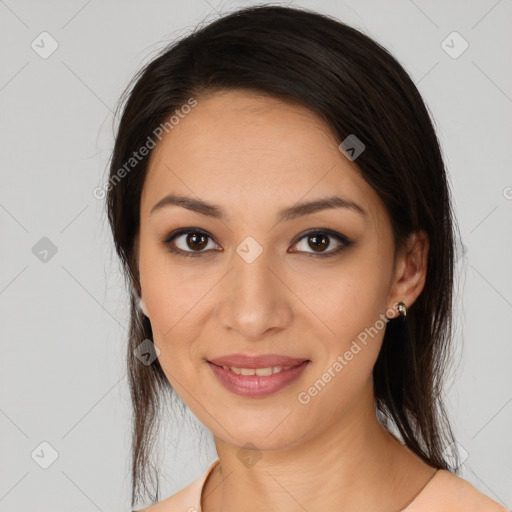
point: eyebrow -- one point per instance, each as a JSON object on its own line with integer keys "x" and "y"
{"x": 292, "y": 212}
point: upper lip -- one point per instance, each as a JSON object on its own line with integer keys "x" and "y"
{"x": 256, "y": 361}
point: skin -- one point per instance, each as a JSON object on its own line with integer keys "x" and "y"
{"x": 253, "y": 155}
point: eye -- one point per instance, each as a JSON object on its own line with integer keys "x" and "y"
{"x": 192, "y": 242}
{"x": 319, "y": 241}
{"x": 188, "y": 238}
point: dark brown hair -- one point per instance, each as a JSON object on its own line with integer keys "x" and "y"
{"x": 357, "y": 87}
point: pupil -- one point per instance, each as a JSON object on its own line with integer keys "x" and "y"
{"x": 192, "y": 240}
{"x": 322, "y": 245}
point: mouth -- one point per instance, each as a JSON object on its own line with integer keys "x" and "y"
{"x": 255, "y": 361}
{"x": 261, "y": 372}
{"x": 257, "y": 381}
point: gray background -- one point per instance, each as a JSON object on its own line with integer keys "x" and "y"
{"x": 64, "y": 315}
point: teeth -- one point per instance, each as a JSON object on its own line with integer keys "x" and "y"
{"x": 262, "y": 372}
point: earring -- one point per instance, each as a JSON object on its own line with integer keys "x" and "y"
{"x": 402, "y": 310}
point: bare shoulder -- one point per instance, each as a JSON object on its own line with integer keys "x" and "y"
{"x": 453, "y": 493}
{"x": 185, "y": 500}
{"x": 188, "y": 499}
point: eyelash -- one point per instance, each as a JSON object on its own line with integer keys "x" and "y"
{"x": 194, "y": 254}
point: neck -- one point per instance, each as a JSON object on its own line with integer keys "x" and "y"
{"x": 354, "y": 465}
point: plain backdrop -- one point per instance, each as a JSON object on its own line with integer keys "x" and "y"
{"x": 64, "y": 399}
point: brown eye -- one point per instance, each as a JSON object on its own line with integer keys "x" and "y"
{"x": 188, "y": 242}
{"x": 319, "y": 241}
{"x": 196, "y": 241}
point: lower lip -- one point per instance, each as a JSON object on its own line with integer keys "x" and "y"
{"x": 256, "y": 385}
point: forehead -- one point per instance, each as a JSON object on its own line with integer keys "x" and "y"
{"x": 253, "y": 147}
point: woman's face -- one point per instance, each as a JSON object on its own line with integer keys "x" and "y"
{"x": 253, "y": 281}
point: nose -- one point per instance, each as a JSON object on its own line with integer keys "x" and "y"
{"x": 254, "y": 298}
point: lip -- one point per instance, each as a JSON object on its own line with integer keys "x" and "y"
{"x": 256, "y": 361}
{"x": 256, "y": 386}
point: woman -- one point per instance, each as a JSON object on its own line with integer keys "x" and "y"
{"x": 280, "y": 205}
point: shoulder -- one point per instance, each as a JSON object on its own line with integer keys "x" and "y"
{"x": 451, "y": 493}
{"x": 187, "y": 499}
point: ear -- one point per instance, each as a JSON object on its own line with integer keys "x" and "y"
{"x": 410, "y": 270}
{"x": 142, "y": 305}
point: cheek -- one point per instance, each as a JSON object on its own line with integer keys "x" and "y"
{"x": 349, "y": 306}
{"x": 344, "y": 297}
{"x": 341, "y": 378}
{"x": 174, "y": 292}
{"x": 176, "y": 321}
{"x": 175, "y": 302}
